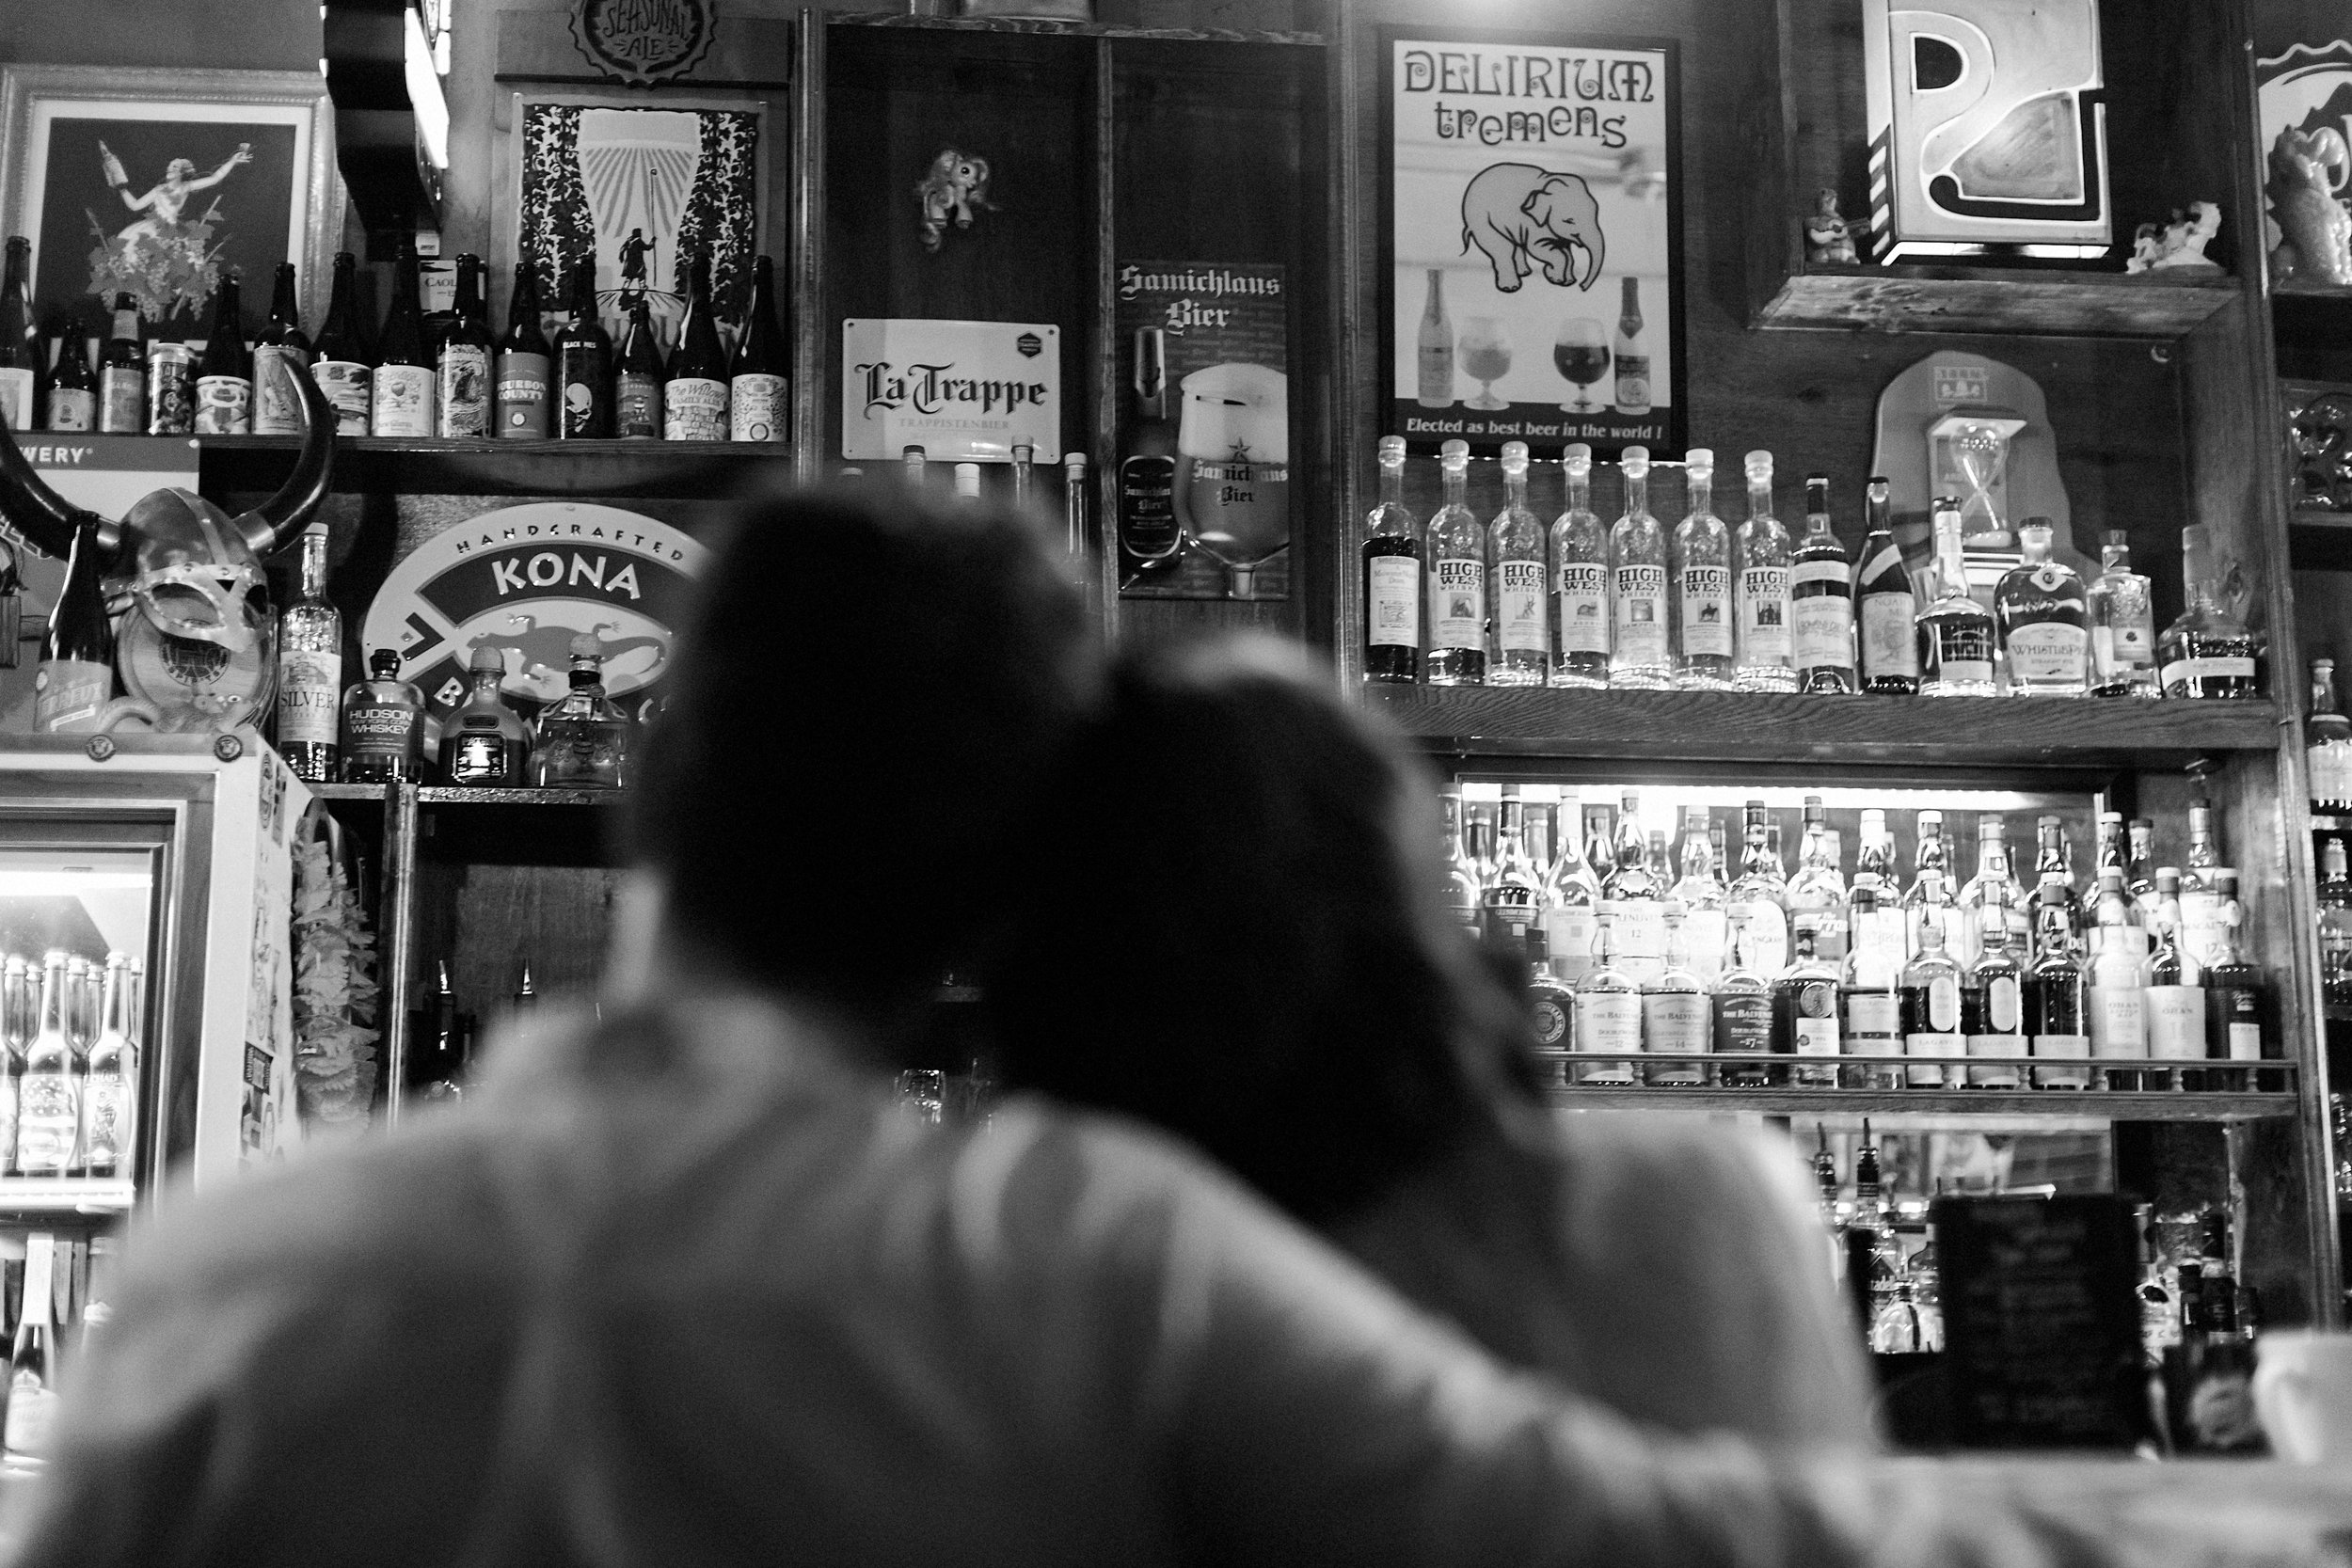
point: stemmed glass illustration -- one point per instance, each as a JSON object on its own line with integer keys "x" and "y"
{"x": 1486, "y": 359}
{"x": 1582, "y": 353}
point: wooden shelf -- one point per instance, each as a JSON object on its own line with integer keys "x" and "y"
{"x": 1744, "y": 727}
{"x": 591, "y": 469}
{"x": 65, "y": 1194}
{"x": 2017, "y": 1103}
{"x": 442, "y": 796}
{"x": 1931, "y": 297}
{"x": 1081, "y": 29}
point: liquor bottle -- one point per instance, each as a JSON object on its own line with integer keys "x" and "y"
{"x": 33, "y": 1399}
{"x": 2236, "y": 1009}
{"x": 1991, "y": 1003}
{"x": 2207, "y": 653}
{"x": 1762, "y": 588}
{"x": 1886, "y": 610}
{"x": 110, "y": 1087}
{"x": 2328, "y": 741}
{"x": 75, "y": 678}
{"x": 637, "y": 384}
{"x": 122, "y": 373}
{"x": 1435, "y": 346}
{"x": 1580, "y": 582}
{"x": 1701, "y": 591}
{"x": 1518, "y": 652}
{"x": 2057, "y": 996}
{"x": 1701, "y": 892}
{"x": 2176, "y": 996}
{"x": 2201, "y": 897}
{"x": 437, "y": 1067}
{"x": 1552, "y": 1003}
{"x": 49, "y": 1104}
{"x": 1608, "y": 1012}
{"x": 462, "y": 392}
{"x": 72, "y": 385}
{"x": 2052, "y": 869}
{"x": 584, "y": 738}
{"x": 2335, "y": 924}
{"x": 277, "y": 403}
{"x": 383, "y": 732}
{"x": 1677, "y": 1019}
{"x": 1930, "y": 1008}
{"x": 311, "y": 669}
{"x": 1817, "y": 894}
{"x": 1870, "y": 1000}
{"x": 21, "y": 356}
{"x": 2044, "y": 616}
{"x": 1571, "y": 894}
{"x": 584, "y": 364}
{"x": 1642, "y": 657}
{"x": 1393, "y": 586}
{"x": 2119, "y": 985}
{"x": 1464, "y": 888}
{"x": 1074, "y": 528}
{"x": 224, "y": 377}
{"x": 1630, "y": 353}
{"x": 1881, "y": 925}
{"x": 968, "y": 483}
{"x": 695, "y": 398}
{"x": 526, "y": 363}
{"x": 2139, "y": 867}
{"x": 1820, "y": 599}
{"x": 759, "y": 382}
{"x": 2122, "y": 624}
{"x": 1956, "y": 633}
{"x": 1149, "y": 529}
{"x": 1804, "y": 1017}
{"x": 340, "y": 363}
{"x": 1458, "y": 579}
{"x": 484, "y": 744}
{"x": 401, "y": 390}
{"x": 1742, "y": 1007}
{"x": 1512, "y": 898}
{"x": 1757, "y": 899}
{"x": 1635, "y": 894}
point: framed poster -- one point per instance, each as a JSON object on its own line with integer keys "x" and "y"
{"x": 152, "y": 182}
{"x": 963, "y": 392}
{"x": 1532, "y": 236}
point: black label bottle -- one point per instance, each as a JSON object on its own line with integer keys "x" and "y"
{"x": 583, "y": 365}
{"x": 637, "y": 389}
{"x": 525, "y": 364}
{"x": 759, "y": 383}
{"x": 461, "y": 391}
{"x": 224, "y": 377}
{"x": 76, "y": 676}
{"x": 340, "y": 364}
{"x": 72, "y": 387}
{"x": 278, "y": 404}
{"x": 1148, "y": 527}
{"x": 401, "y": 404}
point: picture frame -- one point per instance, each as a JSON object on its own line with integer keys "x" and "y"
{"x": 150, "y": 180}
{"x": 1530, "y": 191}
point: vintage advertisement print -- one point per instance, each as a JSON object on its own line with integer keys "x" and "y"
{"x": 1534, "y": 241}
{"x": 963, "y": 392}
{"x": 1204, "y": 494}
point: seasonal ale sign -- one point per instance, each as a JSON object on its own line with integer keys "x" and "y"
{"x": 1532, "y": 225}
{"x": 963, "y": 392}
{"x": 644, "y": 41}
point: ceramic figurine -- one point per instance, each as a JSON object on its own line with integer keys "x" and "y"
{"x": 2316, "y": 242}
{"x": 957, "y": 183}
{"x": 2179, "y": 243}
{"x": 1828, "y": 237}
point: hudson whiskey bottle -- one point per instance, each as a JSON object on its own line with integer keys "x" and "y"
{"x": 1580, "y": 582}
{"x": 2043, "y": 613}
{"x": 1701, "y": 591}
{"x": 1519, "y": 651}
{"x": 1458, "y": 579}
{"x": 1392, "y": 587}
{"x": 383, "y": 734}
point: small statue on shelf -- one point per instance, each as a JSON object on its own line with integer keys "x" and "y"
{"x": 2178, "y": 243}
{"x": 957, "y": 183}
{"x": 1828, "y": 235}
{"x": 2315, "y": 231}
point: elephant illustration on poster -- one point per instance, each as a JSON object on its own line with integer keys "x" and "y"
{"x": 1525, "y": 217}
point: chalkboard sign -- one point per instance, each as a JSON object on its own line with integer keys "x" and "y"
{"x": 2041, "y": 1321}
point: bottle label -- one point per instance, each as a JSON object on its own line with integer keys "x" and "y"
{"x": 758, "y": 406}
{"x": 1677, "y": 1023}
{"x": 16, "y": 397}
{"x": 1568, "y": 938}
{"x": 381, "y": 732}
{"x": 1639, "y": 932}
{"x": 522, "y": 396}
{"x": 1707, "y": 933}
{"x": 1944, "y": 1006}
{"x": 1815, "y": 1035}
{"x": 1946, "y": 1043}
{"x": 1519, "y": 608}
{"x": 2047, "y": 653}
{"x": 1828, "y": 927}
{"x": 2204, "y": 926}
{"x": 1458, "y": 602}
{"x": 1641, "y": 615}
{"x": 1889, "y": 645}
{"x": 2192, "y": 674}
{"x": 695, "y": 409}
{"x": 1764, "y": 938}
{"x": 1998, "y": 1048}
{"x": 1964, "y": 651}
{"x": 32, "y": 1411}
{"x": 346, "y": 384}
{"x": 2123, "y": 644}
{"x": 1810, "y": 573}
{"x": 1437, "y": 375}
{"x": 224, "y": 406}
{"x": 1873, "y": 1015}
{"x": 1584, "y": 593}
{"x": 73, "y": 408}
{"x": 478, "y": 759}
{"x": 2001, "y": 1010}
{"x": 462, "y": 391}
{"x": 309, "y": 687}
{"x": 1552, "y": 1022}
{"x": 171, "y": 390}
{"x": 2246, "y": 1042}
{"x": 1706, "y": 592}
{"x": 1393, "y": 604}
{"x": 1608, "y": 1021}
{"x": 586, "y": 390}
{"x": 1764, "y": 615}
{"x": 1632, "y": 381}
{"x": 637, "y": 404}
{"x": 402, "y": 401}
{"x": 122, "y": 399}
{"x": 1743, "y": 1024}
{"x": 2118, "y": 1021}
{"x": 277, "y": 405}
{"x": 2064, "y": 1048}
{"x": 1147, "y": 529}
{"x": 69, "y": 695}
{"x": 2176, "y": 1023}
{"x": 106, "y": 1114}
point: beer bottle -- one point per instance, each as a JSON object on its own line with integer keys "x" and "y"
{"x": 341, "y": 365}
{"x": 637, "y": 392}
{"x": 278, "y": 404}
{"x": 401, "y": 404}
{"x": 122, "y": 373}
{"x": 760, "y": 389}
{"x": 76, "y": 676}
{"x": 584, "y": 364}
{"x": 461, "y": 391}
{"x": 224, "y": 377}
{"x": 20, "y": 341}
{"x": 73, "y": 388}
{"x": 694, "y": 404}
{"x": 523, "y": 362}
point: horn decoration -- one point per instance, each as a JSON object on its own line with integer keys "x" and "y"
{"x": 46, "y": 519}
{"x": 296, "y": 501}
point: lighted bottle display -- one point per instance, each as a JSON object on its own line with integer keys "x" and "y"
{"x": 1631, "y": 352}
{"x": 281, "y": 353}
{"x": 1699, "y": 597}
{"x": 1580, "y": 580}
{"x": 1642, "y": 656}
{"x": 1519, "y": 651}
{"x": 1885, "y": 610}
{"x": 1392, "y": 573}
{"x": 1456, "y": 547}
{"x": 224, "y": 376}
{"x": 340, "y": 363}
{"x": 526, "y": 363}
{"x": 1434, "y": 347}
{"x": 760, "y": 384}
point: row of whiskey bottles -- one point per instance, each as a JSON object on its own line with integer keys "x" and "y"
{"x": 1870, "y": 984}
{"x": 68, "y": 1098}
{"x": 1707, "y": 607}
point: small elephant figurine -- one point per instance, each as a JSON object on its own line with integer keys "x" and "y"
{"x": 957, "y": 183}
{"x": 1828, "y": 234}
{"x": 1525, "y": 217}
{"x": 2316, "y": 231}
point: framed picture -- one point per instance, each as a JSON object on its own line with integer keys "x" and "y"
{"x": 1531, "y": 225}
{"x": 155, "y": 182}
{"x": 641, "y": 187}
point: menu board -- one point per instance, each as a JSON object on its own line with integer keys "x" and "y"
{"x": 2041, "y": 1321}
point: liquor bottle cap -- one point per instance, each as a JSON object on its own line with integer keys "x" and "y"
{"x": 1515, "y": 458}
{"x": 1700, "y": 461}
{"x": 1577, "y": 459}
{"x": 384, "y": 664}
{"x": 1759, "y": 465}
{"x": 485, "y": 656}
{"x": 1075, "y": 462}
{"x": 1455, "y": 457}
{"x": 1391, "y": 451}
{"x": 1510, "y": 792}
{"x": 587, "y": 646}
{"x": 1633, "y": 462}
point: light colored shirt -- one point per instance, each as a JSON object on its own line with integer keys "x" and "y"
{"x": 695, "y": 1294}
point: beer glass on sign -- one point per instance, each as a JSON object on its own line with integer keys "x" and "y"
{"x": 1581, "y": 352}
{"x": 1233, "y": 467}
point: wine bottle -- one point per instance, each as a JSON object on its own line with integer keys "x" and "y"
{"x": 584, "y": 364}
{"x": 461, "y": 391}
{"x": 278, "y": 404}
{"x": 224, "y": 377}
{"x": 1393, "y": 582}
{"x": 402, "y": 400}
{"x": 525, "y": 362}
{"x": 32, "y": 1375}
{"x": 20, "y": 340}
{"x": 72, "y": 386}
{"x": 122, "y": 373}
{"x": 695, "y": 400}
{"x": 637, "y": 389}
{"x": 760, "y": 380}
{"x": 1887, "y": 611}
{"x": 340, "y": 364}
{"x": 76, "y": 676}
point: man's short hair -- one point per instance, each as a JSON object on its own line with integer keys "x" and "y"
{"x": 868, "y": 688}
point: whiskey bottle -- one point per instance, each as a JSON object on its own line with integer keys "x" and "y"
{"x": 1701, "y": 892}
{"x": 1701, "y": 596}
{"x": 2044, "y": 616}
{"x": 2176, "y": 997}
{"x": 583, "y": 740}
{"x": 1464, "y": 888}
{"x": 1634, "y": 895}
{"x": 1930, "y": 1008}
{"x": 2119, "y": 985}
{"x": 224, "y": 376}
{"x": 486, "y": 744}
{"x": 1393, "y": 586}
{"x": 310, "y": 668}
{"x": 1677, "y": 1019}
{"x": 49, "y": 1103}
{"x": 2057, "y": 996}
{"x": 1580, "y": 582}
{"x": 2122, "y": 624}
{"x": 280, "y": 353}
{"x": 383, "y": 733}
{"x": 1760, "y": 588}
{"x": 1512, "y": 900}
{"x": 583, "y": 365}
{"x": 2139, "y": 867}
{"x": 2327, "y": 744}
{"x": 1640, "y": 657}
{"x": 1608, "y": 1014}
{"x": 1930, "y": 899}
{"x": 1817, "y": 894}
{"x": 402, "y": 388}
{"x": 122, "y": 373}
{"x": 1956, "y": 633}
{"x": 1519, "y": 653}
{"x": 1870, "y": 1000}
{"x": 2207, "y": 653}
{"x": 1991, "y": 1003}
{"x": 1804, "y": 1017}
{"x": 1743, "y": 1008}
{"x": 1149, "y": 529}
{"x": 1458, "y": 579}
{"x": 2238, "y": 1028}
{"x": 1886, "y": 610}
{"x": 1758, "y": 897}
{"x": 110, "y": 1086}
{"x": 21, "y": 376}
{"x": 638, "y": 379}
{"x": 694, "y": 397}
{"x": 2202, "y": 915}
{"x": 1552, "y": 1002}
{"x": 72, "y": 385}
{"x": 526, "y": 364}
{"x": 1571, "y": 894}
{"x": 1820, "y": 599}
{"x": 339, "y": 363}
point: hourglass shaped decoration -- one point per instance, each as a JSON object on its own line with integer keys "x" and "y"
{"x": 1975, "y": 449}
